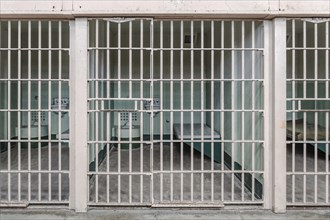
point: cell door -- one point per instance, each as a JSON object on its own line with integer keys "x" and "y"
{"x": 175, "y": 113}
{"x": 120, "y": 112}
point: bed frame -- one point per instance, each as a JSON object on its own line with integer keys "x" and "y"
{"x": 186, "y": 136}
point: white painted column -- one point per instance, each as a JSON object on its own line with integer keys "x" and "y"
{"x": 78, "y": 114}
{"x": 279, "y": 108}
{"x": 268, "y": 114}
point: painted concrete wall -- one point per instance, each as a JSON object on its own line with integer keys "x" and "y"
{"x": 190, "y": 8}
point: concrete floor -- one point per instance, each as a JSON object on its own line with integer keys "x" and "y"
{"x": 187, "y": 186}
{"x": 131, "y": 214}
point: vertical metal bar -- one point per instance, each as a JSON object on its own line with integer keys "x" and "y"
{"x": 119, "y": 96}
{"x": 243, "y": 108}
{"x": 222, "y": 101}
{"x": 315, "y": 113}
{"x": 141, "y": 107}
{"x": 78, "y": 121}
{"x": 171, "y": 110}
{"x": 49, "y": 112}
{"x": 60, "y": 111}
{"x": 96, "y": 89}
{"x": 8, "y": 113}
{"x": 233, "y": 108}
{"x": 293, "y": 108}
{"x": 161, "y": 33}
{"x": 212, "y": 111}
{"x": 181, "y": 109}
{"x": 130, "y": 114}
{"x": 108, "y": 129}
{"x": 304, "y": 114}
{"x": 152, "y": 111}
{"x": 253, "y": 107}
{"x": 39, "y": 110}
{"x": 202, "y": 110}
{"x": 192, "y": 113}
{"x": 279, "y": 138}
{"x": 19, "y": 108}
{"x": 29, "y": 110}
{"x": 327, "y": 113}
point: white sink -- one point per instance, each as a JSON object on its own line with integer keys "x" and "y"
{"x": 125, "y": 131}
{"x": 33, "y": 132}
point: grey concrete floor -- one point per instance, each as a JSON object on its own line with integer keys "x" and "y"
{"x": 121, "y": 214}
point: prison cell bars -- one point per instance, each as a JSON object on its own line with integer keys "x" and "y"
{"x": 171, "y": 112}
{"x": 30, "y": 172}
{"x": 296, "y": 109}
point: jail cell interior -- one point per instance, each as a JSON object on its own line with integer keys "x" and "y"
{"x": 175, "y": 112}
{"x": 308, "y": 105}
{"x": 34, "y": 107}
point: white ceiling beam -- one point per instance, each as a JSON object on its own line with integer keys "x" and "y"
{"x": 166, "y": 8}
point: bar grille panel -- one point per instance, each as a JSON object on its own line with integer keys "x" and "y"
{"x": 34, "y": 70}
{"x": 192, "y": 96}
{"x": 308, "y": 150}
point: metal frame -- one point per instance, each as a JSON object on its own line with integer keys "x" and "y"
{"x": 308, "y": 83}
{"x": 274, "y": 82}
{"x": 25, "y": 77}
{"x": 159, "y": 50}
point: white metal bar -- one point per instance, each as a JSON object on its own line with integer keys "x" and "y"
{"x": 161, "y": 34}
{"x": 175, "y": 48}
{"x": 202, "y": 108}
{"x": 293, "y": 108}
{"x": 315, "y": 113}
{"x": 212, "y": 112}
{"x": 29, "y": 108}
{"x": 96, "y": 90}
{"x": 304, "y": 113}
{"x": 19, "y": 57}
{"x": 279, "y": 83}
{"x": 141, "y": 107}
{"x": 49, "y": 107}
{"x": 166, "y": 80}
{"x": 39, "y": 110}
{"x": 9, "y": 106}
{"x": 118, "y": 117}
{"x": 171, "y": 108}
{"x": 181, "y": 108}
{"x": 243, "y": 103}
{"x": 192, "y": 114}
{"x": 327, "y": 113}
{"x": 222, "y": 101}
{"x": 60, "y": 111}
{"x": 194, "y": 141}
{"x": 233, "y": 156}
{"x": 152, "y": 111}
{"x": 253, "y": 108}
{"x": 130, "y": 114}
{"x": 108, "y": 123}
{"x": 78, "y": 121}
